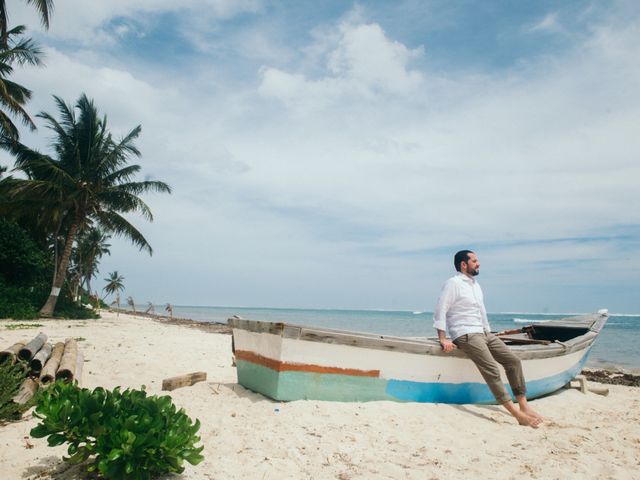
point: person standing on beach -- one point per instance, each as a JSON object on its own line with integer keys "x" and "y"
{"x": 461, "y": 312}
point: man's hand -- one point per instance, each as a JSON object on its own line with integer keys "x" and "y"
{"x": 447, "y": 345}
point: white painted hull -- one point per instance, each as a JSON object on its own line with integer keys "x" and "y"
{"x": 287, "y": 362}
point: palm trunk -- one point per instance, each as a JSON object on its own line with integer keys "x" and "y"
{"x": 58, "y": 279}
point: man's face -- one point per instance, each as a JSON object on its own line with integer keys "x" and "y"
{"x": 472, "y": 266}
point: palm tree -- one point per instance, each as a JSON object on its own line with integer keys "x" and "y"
{"x": 91, "y": 245}
{"x": 150, "y": 308}
{"x": 44, "y": 7}
{"x": 89, "y": 181}
{"x": 12, "y": 95}
{"x": 131, "y": 303}
{"x": 114, "y": 285}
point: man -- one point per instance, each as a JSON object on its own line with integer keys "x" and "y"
{"x": 461, "y": 312}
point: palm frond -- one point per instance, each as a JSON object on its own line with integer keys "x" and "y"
{"x": 119, "y": 226}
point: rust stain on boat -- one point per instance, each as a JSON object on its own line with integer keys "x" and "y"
{"x": 279, "y": 366}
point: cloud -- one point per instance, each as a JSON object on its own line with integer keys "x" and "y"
{"x": 550, "y": 24}
{"x": 102, "y": 23}
{"x": 358, "y": 60}
{"x": 341, "y": 170}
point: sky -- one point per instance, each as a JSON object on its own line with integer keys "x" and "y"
{"x": 337, "y": 154}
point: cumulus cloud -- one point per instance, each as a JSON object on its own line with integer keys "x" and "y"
{"x": 360, "y": 62}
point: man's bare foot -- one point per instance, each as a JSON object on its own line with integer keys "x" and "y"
{"x": 527, "y": 420}
{"x": 527, "y": 410}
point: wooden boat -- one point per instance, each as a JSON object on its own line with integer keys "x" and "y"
{"x": 294, "y": 362}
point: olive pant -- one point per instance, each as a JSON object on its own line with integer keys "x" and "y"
{"x": 487, "y": 351}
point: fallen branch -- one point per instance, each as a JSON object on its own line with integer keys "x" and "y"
{"x": 183, "y": 380}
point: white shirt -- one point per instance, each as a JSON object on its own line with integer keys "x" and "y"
{"x": 460, "y": 309}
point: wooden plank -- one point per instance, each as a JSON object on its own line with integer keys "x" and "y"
{"x": 183, "y": 380}
{"x": 523, "y": 340}
{"x": 79, "y": 364}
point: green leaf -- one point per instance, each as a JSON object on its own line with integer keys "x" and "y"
{"x": 56, "y": 439}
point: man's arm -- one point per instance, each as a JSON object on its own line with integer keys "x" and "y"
{"x": 446, "y": 344}
{"x": 445, "y": 300}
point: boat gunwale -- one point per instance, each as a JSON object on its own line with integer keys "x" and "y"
{"x": 429, "y": 346}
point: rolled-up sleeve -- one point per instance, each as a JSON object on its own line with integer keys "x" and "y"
{"x": 442, "y": 307}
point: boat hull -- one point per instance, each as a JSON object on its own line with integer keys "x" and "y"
{"x": 288, "y": 363}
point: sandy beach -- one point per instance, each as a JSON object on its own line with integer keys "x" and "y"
{"x": 248, "y": 436}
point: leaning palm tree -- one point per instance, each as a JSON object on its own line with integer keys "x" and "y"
{"x": 150, "y": 308}
{"x": 44, "y": 7}
{"x": 89, "y": 180}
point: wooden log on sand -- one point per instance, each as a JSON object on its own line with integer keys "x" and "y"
{"x": 10, "y": 354}
{"x": 40, "y": 358}
{"x": 29, "y": 350}
{"x": 27, "y": 390}
{"x": 183, "y": 380}
{"x": 79, "y": 363}
{"x": 50, "y": 368}
{"x": 67, "y": 368}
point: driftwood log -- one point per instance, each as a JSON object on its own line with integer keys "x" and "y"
{"x": 40, "y": 358}
{"x": 27, "y": 390}
{"x": 50, "y": 368}
{"x": 29, "y": 350}
{"x": 10, "y": 354}
{"x": 79, "y": 363}
{"x": 183, "y": 380}
{"x": 67, "y": 369}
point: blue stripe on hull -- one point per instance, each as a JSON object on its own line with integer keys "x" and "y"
{"x": 459, "y": 393}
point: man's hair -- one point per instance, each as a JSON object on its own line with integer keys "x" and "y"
{"x": 461, "y": 256}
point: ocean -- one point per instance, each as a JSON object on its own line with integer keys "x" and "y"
{"x": 615, "y": 348}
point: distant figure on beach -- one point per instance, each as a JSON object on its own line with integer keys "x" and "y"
{"x": 461, "y": 312}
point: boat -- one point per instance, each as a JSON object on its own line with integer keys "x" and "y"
{"x": 289, "y": 362}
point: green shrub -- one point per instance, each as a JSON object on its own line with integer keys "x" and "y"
{"x": 11, "y": 377}
{"x": 129, "y": 435}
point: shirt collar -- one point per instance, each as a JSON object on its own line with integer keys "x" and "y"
{"x": 466, "y": 278}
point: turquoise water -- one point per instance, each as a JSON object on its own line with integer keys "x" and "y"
{"x": 615, "y": 347}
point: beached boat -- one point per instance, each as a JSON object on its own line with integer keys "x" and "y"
{"x": 294, "y": 362}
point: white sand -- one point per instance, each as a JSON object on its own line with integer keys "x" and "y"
{"x": 247, "y": 436}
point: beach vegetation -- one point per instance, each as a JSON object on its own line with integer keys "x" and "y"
{"x": 25, "y": 267}
{"x": 21, "y": 326}
{"x": 87, "y": 183}
{"x": 120, "y": 434}
{"x": 24, "y": 271}
{"x": 11, "y": 378}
